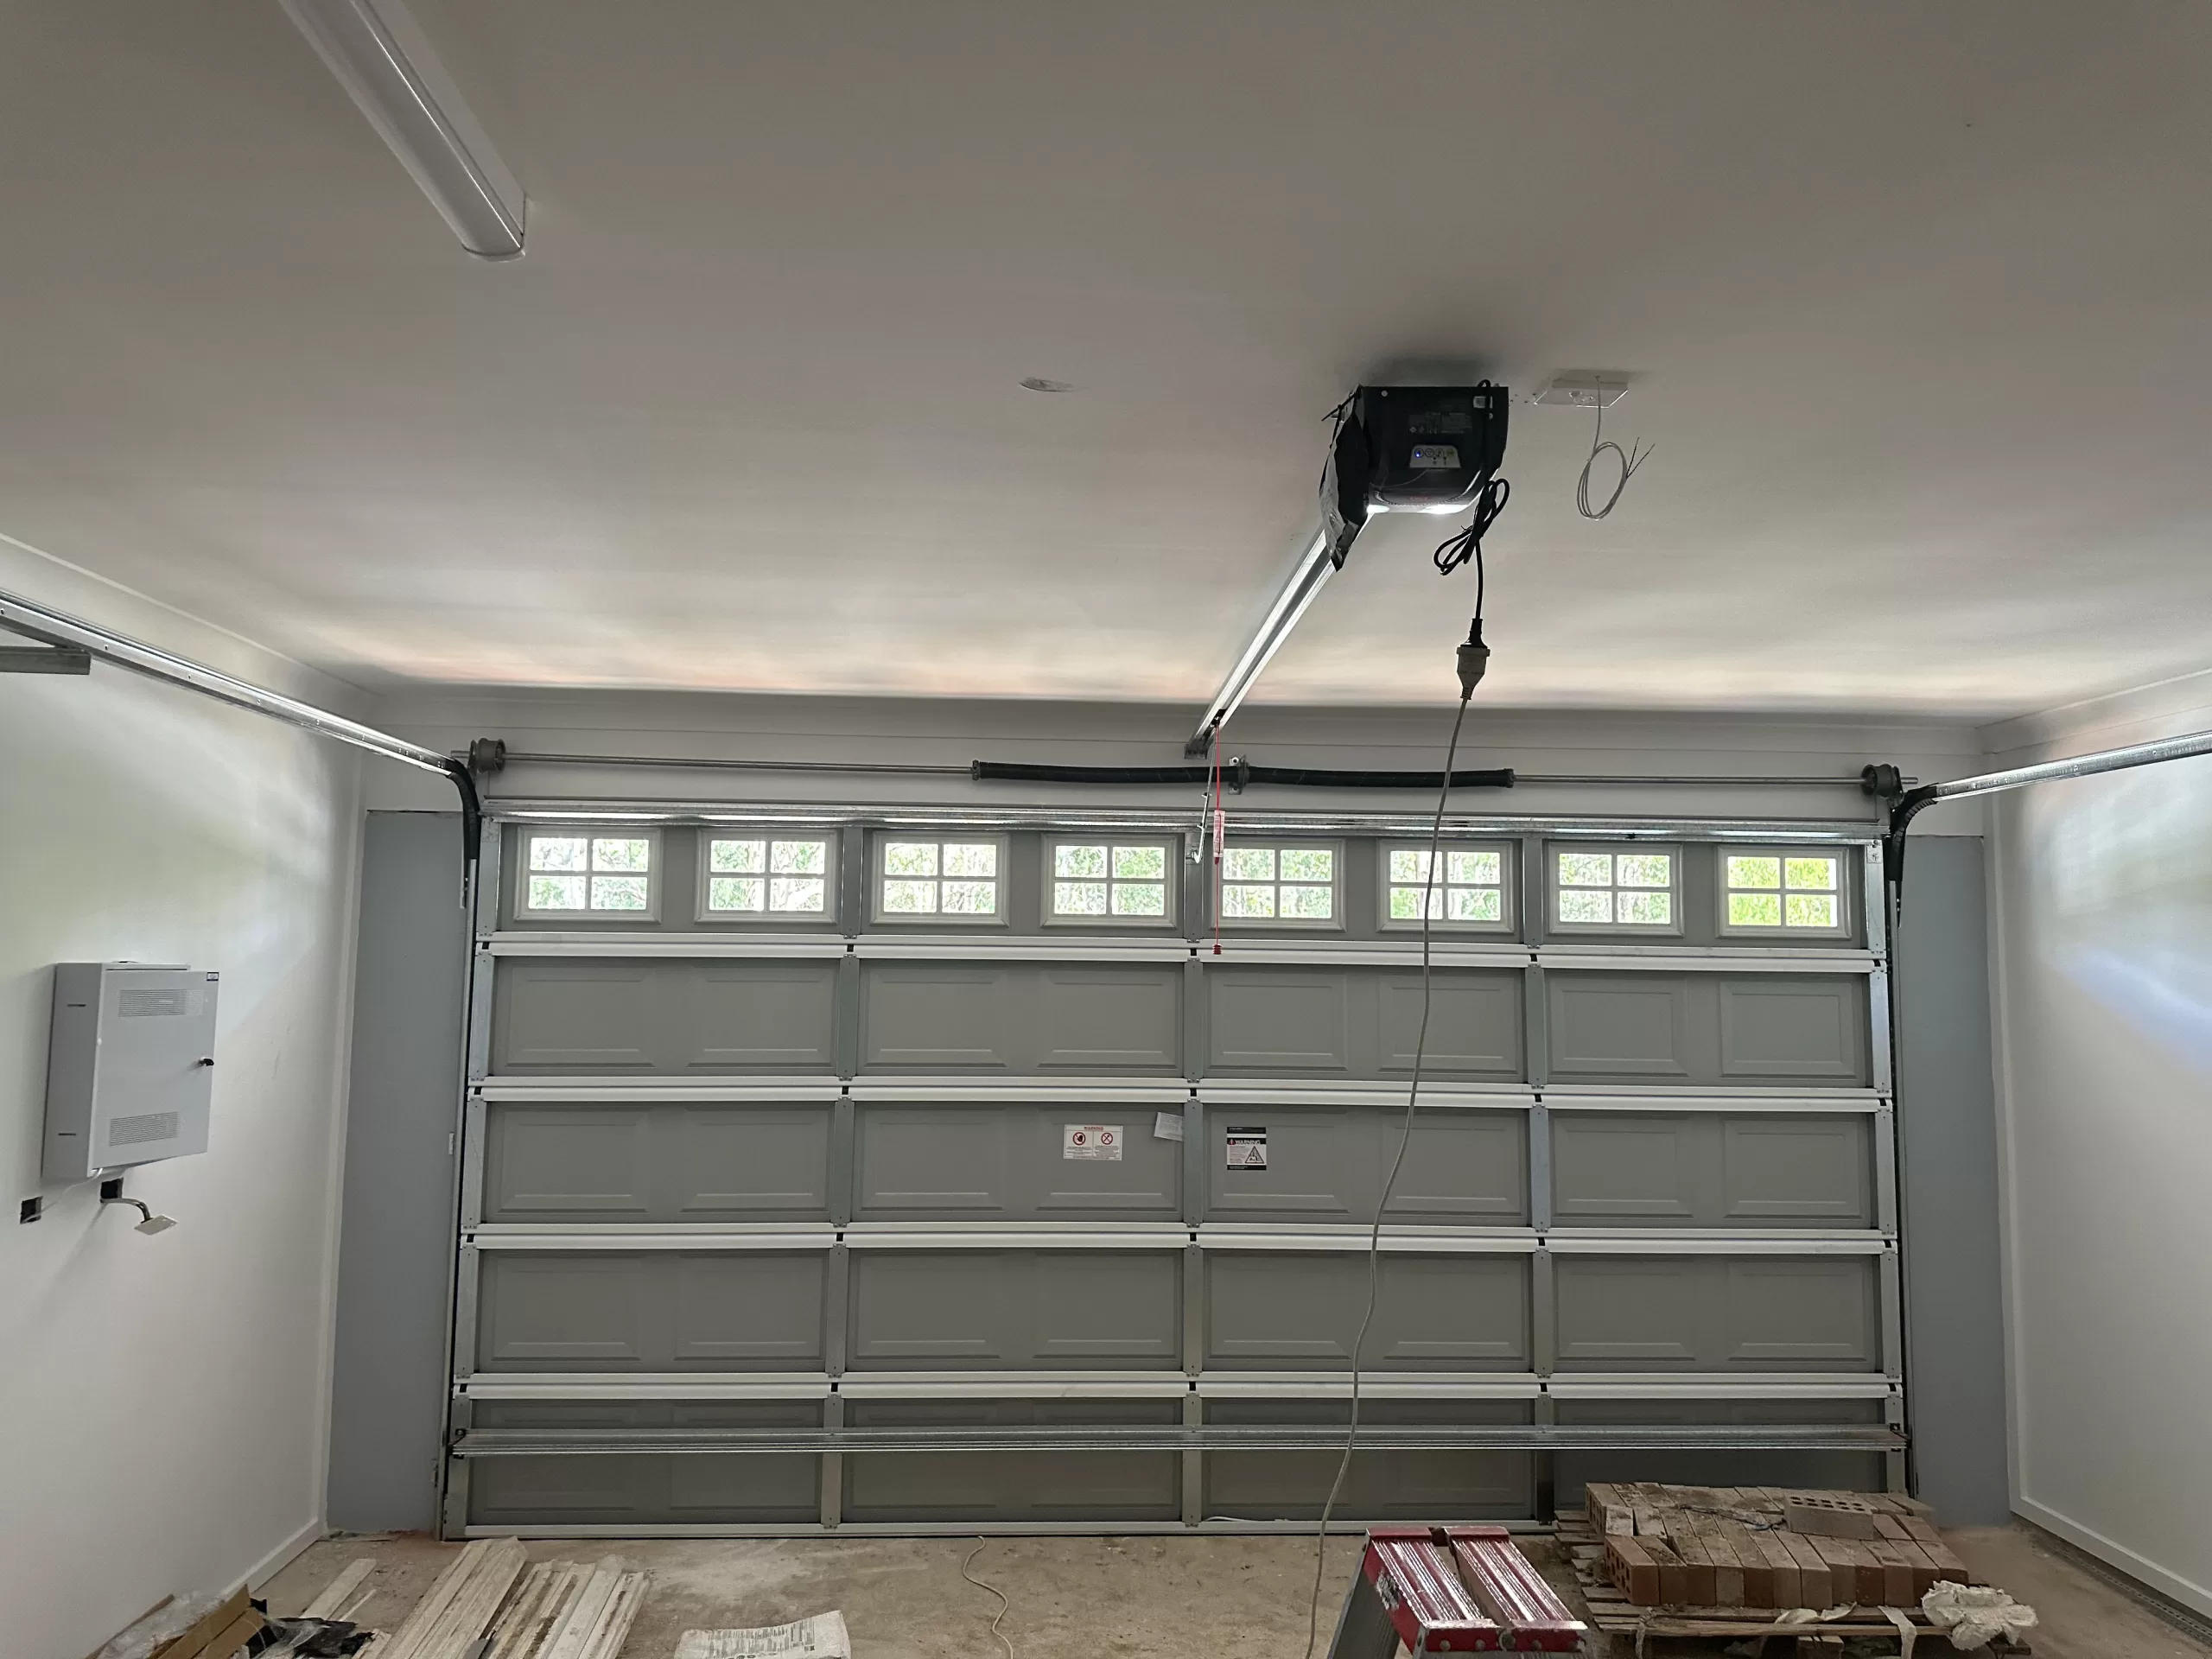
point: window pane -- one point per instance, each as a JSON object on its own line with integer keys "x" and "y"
{"x": 971, "y": 897}
{"x": 801, "y": 858}
{"x": 1812, "y": 910}
{"x": 622, "y": 854}
{"x": 1247, "y": 901}
{"x": 1478, "y": 905}
{"x": 556, "y": 892}
{"x": 1645, "y": 869}
{"x": 1410, "y": 863}
{"x": 1079, "y": 898}
{"x": 1586, "y": 907}
{"x": 1586, "y": 870}
{"x": 1479, "y": 868}
{"x": 797, "y": 892}
{"x": 1644, "y": 909}
{"x": 736, "y": 857}
{"x": 1405, "y": 904}
{"x": 1140, "y": 899}
{"x": 1813, "y": 873}
{"x": 910, "y": 898}
{"x": 910, "y": 858}
{"x": 971, "y": 858}
{"x": 1140, "y": 863}
{"x": 1754, "y": 910}
{"x": 1248, "y": 864}
{"x": 556, "y": 852}
{"x": 1078, "y": 860}
{"x": 733, "y": 893}
{"x": 1754, "y": 872}
{"x": 1309, "y": 904}
{"x": 618, "y": 892}
{"x": 1309, "y": 864}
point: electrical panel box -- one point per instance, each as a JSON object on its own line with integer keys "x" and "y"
{"x": 131, "y": 1066}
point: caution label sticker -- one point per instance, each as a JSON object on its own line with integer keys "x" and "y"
{"x": 1247, "y": 1149}
{"x": 1099, "y": 1141}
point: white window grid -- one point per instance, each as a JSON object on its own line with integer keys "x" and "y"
{"x": 1111, "y": 880}
{"x": 1784, "y": 891}
{"x": 591, "y": 873}
{"x": 956, "y": 878}
{"x": 1632, "y": 888}
{"x": 1473, "y": 891}
{"x": 768, "y": 875}
{"x": 1282, "y": 885}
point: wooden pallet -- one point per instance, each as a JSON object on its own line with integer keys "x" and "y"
{"x": 1613, "y": 1613}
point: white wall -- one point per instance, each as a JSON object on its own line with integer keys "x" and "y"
{"x": 2102, "y": 893}
{"x": 163, "y": 1398}
{"x": 954, "y": 731}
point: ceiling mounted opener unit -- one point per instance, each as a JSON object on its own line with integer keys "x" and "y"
{"x": 1432, "y": 449}
{"x": 1410, "y": 449}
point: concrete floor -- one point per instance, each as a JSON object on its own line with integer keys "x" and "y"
{"x": 1096, "y": 1597}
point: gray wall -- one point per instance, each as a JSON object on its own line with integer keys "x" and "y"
{"x": 1947, "y": 1113}
{"x": 394, "y": 1238}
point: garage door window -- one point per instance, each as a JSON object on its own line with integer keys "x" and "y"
{"x": 1109, "y": 881}
{"x": 572, "y": 872}
{"x": 1279, "y": 886}
{"x": 1790, "y": 892}
{"x": 1616, "y": 889}
{"x": 760, "y": 877}
{"x": 948, "y": 879}
{"x": 1469, "y": 891}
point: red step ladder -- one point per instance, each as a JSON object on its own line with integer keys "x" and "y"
{"x": 1450, "y": 1589}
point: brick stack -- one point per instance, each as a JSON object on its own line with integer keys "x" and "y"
{"x": 1733, "y": 1547}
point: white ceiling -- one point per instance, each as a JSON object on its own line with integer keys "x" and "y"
{"x": 1916, "y": 298}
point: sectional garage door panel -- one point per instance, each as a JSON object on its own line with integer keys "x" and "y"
{"x": 601, "y": 1489}
{"x": 650, "y": 1311}
{"x": 1658, "y": 1030}
{"x": 1010, "y": 1162}
{"x": 1717, "y": 1313}
{"x": 1034, "y": 1018}
{"x": 618, "y": 1164}
{"x": 1286, "y": 1310}
{"x": 1361, "y": 1022}
{"x": 680, "y": 1017}
{"x": 1016, "y": 1485}
{"x": 646, "y": 1489}
{"x": 1790, "y": 1030}
{"x": 1846, "y": 1470}
{"x": 1650, "y": 1169}
{"x": 1381, "y": 1485}
{"x": 949, "y": 1309}
{"x": 1327, "y": 1165}
{"x": 1079, "y": 1206}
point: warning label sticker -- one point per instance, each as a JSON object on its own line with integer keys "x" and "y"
{"x": 1247, "y": 1149}
{"x": 1167, "y": 1126}
{"x": 1098, "y": 1141}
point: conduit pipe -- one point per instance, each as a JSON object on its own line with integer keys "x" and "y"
{"x": 39, "y": 621}
{"x": 1912, "y": 803}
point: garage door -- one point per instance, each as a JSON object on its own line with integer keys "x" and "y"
{"x": 935, "y": 1171}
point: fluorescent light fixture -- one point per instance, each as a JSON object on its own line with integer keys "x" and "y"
{"x": 1307, "y": 577}
{"x": 383, "y": 60}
